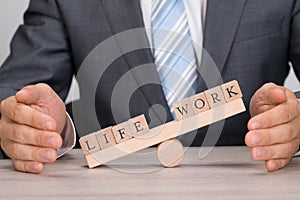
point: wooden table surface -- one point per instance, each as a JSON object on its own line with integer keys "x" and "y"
{"x": 226, "y": 173}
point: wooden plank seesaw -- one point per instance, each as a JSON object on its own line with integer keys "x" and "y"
{"x": 134, "y": 135}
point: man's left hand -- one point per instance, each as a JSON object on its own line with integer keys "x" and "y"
{"x": 274, "y": 127}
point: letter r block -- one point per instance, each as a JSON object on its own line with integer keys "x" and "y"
{"x": 215, "y": 97}
{"x": 138, "y": 125}
{"x": 231, "y": 91}
{"x": 122, "y": 132}
{"x": 106, "y": 138}
{"x": 89, "y": 144}
{"x": 183, "y": 109}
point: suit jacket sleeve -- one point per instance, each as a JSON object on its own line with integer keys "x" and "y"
{"x": 295, "y": 40}
{"x": 40, "y": 52}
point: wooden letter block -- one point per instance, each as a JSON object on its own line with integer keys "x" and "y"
{"x": 231, "y": 91}
{"x": 122, "y": 132}
{"x": 89, "y": 144}
{"x": 106, "y": 138}
{"x": 199, "y": 103}
{"x": 215, "y": 97}
{"x": 183, "y": 109}
{"x": 138, "y": 126}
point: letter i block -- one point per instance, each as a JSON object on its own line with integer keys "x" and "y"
{"x": 89, "y": 144}
{"x": 138, "y": 125}
{"x": 231, "y": 91}
{"x": 215, "y": 97}
{"x": 183, "y": 109}
{"x": 199, "y": 103}
{"x": 106, "y": 137}
{"x": 122, "y": 132}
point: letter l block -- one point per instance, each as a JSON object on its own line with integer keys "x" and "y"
{"x": 89, "y": 144}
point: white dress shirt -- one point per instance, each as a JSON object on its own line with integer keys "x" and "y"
{"x": 195, "y": 10}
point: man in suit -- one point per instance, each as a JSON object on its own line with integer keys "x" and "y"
{"x": 252, "y": 41}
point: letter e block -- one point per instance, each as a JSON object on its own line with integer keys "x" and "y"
{"x": 215, "y": 97}
{"x": 138, "y": 125}
{"x": 199, "y": 103}
{"x": 231, "y": 91}
{"x": 122, "y": 132}
{"x": 89, "y": 144}
{"x": 183, "y": 109}
{"x": 106, "y": 138}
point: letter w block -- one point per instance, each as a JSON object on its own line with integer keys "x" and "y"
{"x": 183, "y": 109}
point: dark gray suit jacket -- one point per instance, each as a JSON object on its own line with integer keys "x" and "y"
{"x": 251, "y": 41}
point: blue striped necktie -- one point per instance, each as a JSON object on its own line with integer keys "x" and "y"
{"x": 173, "y": 50}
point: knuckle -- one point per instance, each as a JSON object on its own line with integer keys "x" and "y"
{"x": 34, "y": 120}
{"x": 17, "y": 165}
{"x": 15, "y": 150}
{"x": 16, "y": 134}
{"x": 15, "y": 113}
{"x": 34, "y": 155}
{"x": 39, "y": 139}
{"x": 290, "y": 148}
{"x": 288, "y": 133}
{"x": 267, "y": 137}
{"x": 287, "y": 114}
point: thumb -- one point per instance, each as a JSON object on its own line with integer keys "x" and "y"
{"x": 267, "y": 97}
{"x": 274, "y": 94}
{"x": 34, "y": 94}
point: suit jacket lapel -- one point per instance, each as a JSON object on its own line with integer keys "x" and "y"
{"x": 128, "y": 17}
{"x": 222, "y": 20}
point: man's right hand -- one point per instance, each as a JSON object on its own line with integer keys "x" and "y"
{"x": 31, "y": 127}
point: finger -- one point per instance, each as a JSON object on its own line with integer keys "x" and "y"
{"x": 34, "y": 94}
{"x": 18, "y": 151}
{"x": 24, "y": 114}
{"x": 274, "y": 165}
{"x": 27, "y": 135}
{"x": 28, "y": 166}
{"x": 275, "y": 135}
{"x": 278, "y": 151}
{"x": 280, "y": 114}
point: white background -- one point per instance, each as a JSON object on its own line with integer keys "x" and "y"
{"x": 11, "y": 13}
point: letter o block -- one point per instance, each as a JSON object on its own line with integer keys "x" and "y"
{"x": 199, "y": 103}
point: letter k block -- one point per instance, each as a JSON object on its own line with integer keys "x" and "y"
{"x": 231, "y": 91}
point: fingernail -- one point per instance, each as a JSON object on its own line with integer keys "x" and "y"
{"x": 52, "y": 142}
{"x": 254, "y": 139}
{"x": 272, "y": 166}
{"x": 36, "y": 167}
{"x": 259, "y": 153}
{"x": 48, "y": 155}
{"x": 255, "y": 125}
{"x": 48, "y": 125}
